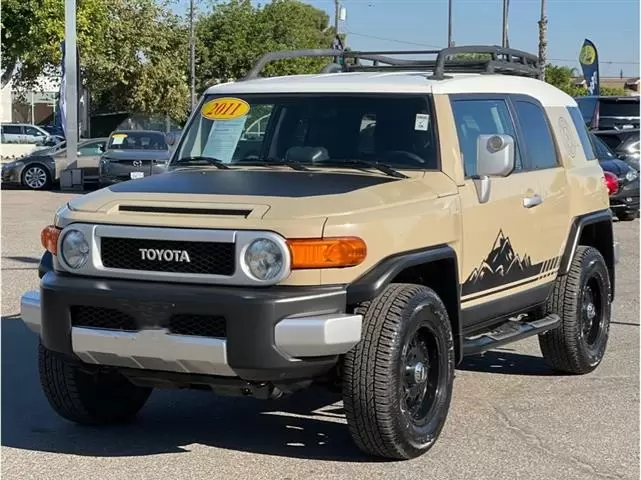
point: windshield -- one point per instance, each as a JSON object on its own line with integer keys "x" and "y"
{"x": 313, "y": 129}
{"x": 137, "y": 141}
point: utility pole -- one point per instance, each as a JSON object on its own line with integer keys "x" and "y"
{"x": 71, "y": 82}
{"x": 449, "y": 23}
{"x": 192, "y": 54}
{"x": 543, "y": 40}
{"x": 337, "y": 8}
{"x": 504, "y": 42}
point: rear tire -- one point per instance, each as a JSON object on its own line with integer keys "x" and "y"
{"x": 582, "y": 300}
{"x": 397, "y": 383}
{"x": 88, "y": 399}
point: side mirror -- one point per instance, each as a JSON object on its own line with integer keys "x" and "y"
{"x": 170, "y": 138}
{"x": 496, "y": 157}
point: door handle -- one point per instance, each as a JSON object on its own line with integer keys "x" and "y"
{"x": 533, "y": 201}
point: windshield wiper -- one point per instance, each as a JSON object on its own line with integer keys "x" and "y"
{"x": 274, "y": 161}
{"x": 381, "y": 167}
{"x": 199, "y": 158}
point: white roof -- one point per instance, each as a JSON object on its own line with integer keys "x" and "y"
{"x": 399, "y": 82}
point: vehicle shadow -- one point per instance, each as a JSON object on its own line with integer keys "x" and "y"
{"x": 507, "y": 363}
{"x": 308, "y": 425}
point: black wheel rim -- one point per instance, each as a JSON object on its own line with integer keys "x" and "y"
{"x": 591, "y": 313}
{"x": 420, "y": 371}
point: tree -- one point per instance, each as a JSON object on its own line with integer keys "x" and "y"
{"x": 132, "y": 52}
{"x": 235, "y": 34}
{"x": 33, "y": 29}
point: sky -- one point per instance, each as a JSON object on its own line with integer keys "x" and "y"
{"x": 613, "y": 26}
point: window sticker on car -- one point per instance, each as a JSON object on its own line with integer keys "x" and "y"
{"x": 422, "y": 122}
{"x": 223, "y": 139}
{"x": 118, "y": 138}
{"x": 227, "y": 108}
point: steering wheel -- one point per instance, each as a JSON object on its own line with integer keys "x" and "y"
{"x": 406, "y": 154}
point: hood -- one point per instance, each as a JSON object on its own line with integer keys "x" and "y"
{"x": 116, "y": 155}
{"x": 267, "y": 194}
{"x": 618, "y": 167}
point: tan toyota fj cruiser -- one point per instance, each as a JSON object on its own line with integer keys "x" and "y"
{"x": 365, "y": 227}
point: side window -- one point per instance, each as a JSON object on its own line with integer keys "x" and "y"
{"x": 481, "y": 117}
{"x": 33, "y": 131}
{"x": 90, "y": 149}
{"x": 537, "y": 136}
{"x": 582, "y": 130}
{"x": 12, "y": 129}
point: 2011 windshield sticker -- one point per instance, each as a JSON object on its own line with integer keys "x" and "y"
{"x": 227, "y": 108}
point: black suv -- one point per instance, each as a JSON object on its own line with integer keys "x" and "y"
{"x": 606, "y": 113}
{"x": 624, "y": 143}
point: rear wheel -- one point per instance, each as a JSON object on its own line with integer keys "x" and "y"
{"x": 582, "y": 300}
{"x": 36, "y": 177}
{"x": 90, "y": 399}
{"x": 398, "y": 379}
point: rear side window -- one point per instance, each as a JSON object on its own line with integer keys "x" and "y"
{"x": 541, "y": 152}
{"x": 12, "y": 129}
{"x": 582, "y": 130}
{"x": 481, "y": 117}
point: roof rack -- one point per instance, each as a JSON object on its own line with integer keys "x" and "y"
{"x": 506, "y": 61}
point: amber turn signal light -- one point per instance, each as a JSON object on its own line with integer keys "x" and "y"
{"x": 49, "y": 238}
{"x": 329, "y": 252}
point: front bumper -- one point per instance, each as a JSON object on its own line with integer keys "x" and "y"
{"x": 275, "y": 334}
{"x": 11, "y": 175}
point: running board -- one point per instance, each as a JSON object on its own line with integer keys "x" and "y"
{"x": 509, "y": 332}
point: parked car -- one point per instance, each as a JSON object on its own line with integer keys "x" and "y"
{"x": 132, "y": 154}
{"x": 41, "y": 169}
{"x": 624, "y": 144}
{"x": 23, "y": 133}
{"x": 624, "y": 187}
{"x": 609, "y": 112}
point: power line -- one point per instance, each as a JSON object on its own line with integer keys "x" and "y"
{"x": 420, "y": 44}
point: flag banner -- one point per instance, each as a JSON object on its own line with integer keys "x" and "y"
{"x": 589, "y": 60}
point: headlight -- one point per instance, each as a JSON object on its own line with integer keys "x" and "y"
{"x": 631, "y": 175}
{"x": 264, "y": 259}
{"x": 75, "y": 249}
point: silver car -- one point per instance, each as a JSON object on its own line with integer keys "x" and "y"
{"x": 132, "y": 154}
{"x": 41, "y": 169}
{"x": 23, "y": 133}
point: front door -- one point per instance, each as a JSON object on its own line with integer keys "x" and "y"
{"x": 503, "y": 259}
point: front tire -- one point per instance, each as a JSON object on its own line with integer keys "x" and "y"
{"x": 397, "y": 384}
{"x": 36, "y": 177}
{"x": 88, "y": 399}
{"x": 627, "y": 216}
{"x": 582, "y": 300}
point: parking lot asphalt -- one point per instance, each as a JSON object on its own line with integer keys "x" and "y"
{"x": 511, "y": 417}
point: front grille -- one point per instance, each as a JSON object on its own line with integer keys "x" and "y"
{"x": 180, "y": 324}
{"x": 139, "y": 163}
{"x": 209, "y": 258}
{"x": 97, "y": 317}
{"x": 198, "y": 325}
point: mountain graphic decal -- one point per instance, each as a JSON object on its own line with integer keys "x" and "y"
{"x": 501, "y": 266}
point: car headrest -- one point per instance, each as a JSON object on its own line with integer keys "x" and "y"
{"x": 307, "y": 154}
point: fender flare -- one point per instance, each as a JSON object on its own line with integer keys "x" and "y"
{"x": 373, "y": 282}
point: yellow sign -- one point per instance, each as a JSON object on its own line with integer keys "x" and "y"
{"x": 227, "y": 108}
{"x": 588, "y": 55}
